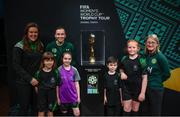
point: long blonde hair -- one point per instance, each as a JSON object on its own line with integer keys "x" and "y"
{"x": 155, "y": 38}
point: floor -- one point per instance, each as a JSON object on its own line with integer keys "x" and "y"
{"x": 4, "y": 100}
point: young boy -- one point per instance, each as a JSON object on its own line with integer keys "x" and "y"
{"x": 112, "y": 88}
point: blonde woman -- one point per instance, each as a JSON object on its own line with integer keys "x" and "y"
{"x": 158, "y": 71}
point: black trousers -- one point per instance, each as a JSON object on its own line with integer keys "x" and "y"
{"x": 153, "y": 102}
{"x": 114, "y": 110}
{"x": 27, "y": 99}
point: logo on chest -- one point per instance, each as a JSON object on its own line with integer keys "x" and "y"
{"x": 52, "y": 80}
{"x": 115, "y": 82}
{"x": 54, "y": 51}
{"x": 153, "y": 61}
{"x": 135, "y": 68}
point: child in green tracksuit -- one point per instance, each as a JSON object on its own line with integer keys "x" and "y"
{"x": 158, "y": 72}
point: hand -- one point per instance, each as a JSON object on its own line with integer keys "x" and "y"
{"x": 123, "y": 76}
{"x": 141, "y": 97}
{"x": 34, "y": 82}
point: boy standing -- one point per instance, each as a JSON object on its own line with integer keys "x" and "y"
{"x": 112, "y": 88}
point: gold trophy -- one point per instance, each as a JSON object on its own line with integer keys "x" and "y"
{"x": 91, "y": 49}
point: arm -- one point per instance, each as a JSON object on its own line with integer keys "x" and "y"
{"x": 17, "y": 59}
{"x": 123, "y": 75}
{"x": 105, "y": 98}
{"x": 143, "y": 88}
{"x": 58, "y": 84}
{"x": 57, "y": 94}
{"x": 78, "y": 91}
{"x": 77, "y": 79}
{"x": 163, "y": 62}
{"x": 120, "y": 92}
{"x": 121, "y": 70}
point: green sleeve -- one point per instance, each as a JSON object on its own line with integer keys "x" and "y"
{"x": 123, "y": 58}
{"x": 36, "y": 76}
{"x": 74, "y": 56}
{"x": 164, "y": 66}
{"x": 58, "y": 79}
{"x": 48, "y": 47}
{"x": 143, "y": 64}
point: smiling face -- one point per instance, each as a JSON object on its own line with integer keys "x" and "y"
{"x": 32, "y": 33}
{"x": 132, "y": 48}
{"x": 60, "y": 35}
{"x": 48, "y": 63}
{"x": 67, "y": 58}
{"x": 151, "y": 45}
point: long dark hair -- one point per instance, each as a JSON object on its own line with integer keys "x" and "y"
{"x": 26, "y": 41}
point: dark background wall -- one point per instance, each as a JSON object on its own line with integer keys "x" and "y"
{"x": 3, "y": 66}
{"x": 138, "y": 18}
{"x": 2, "y": 39}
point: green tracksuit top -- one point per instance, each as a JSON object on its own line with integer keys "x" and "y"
{"x": 59, "y": 50}
{"x": 158, "y": 70}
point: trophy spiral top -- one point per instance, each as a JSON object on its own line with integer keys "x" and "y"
{"x": 92, "y": 39}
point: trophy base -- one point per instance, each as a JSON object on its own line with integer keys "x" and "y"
{"x": 92, "y": 61}
{"x": 92, "y": 94}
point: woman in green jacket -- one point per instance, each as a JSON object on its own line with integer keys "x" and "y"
{"x": 158, "y": 72}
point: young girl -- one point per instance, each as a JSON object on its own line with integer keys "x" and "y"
{"x": 158, "y": 72}
{"x": 48, "y": 78}
{"x": 136, "y": 80}
{"x": 69, "y": 91}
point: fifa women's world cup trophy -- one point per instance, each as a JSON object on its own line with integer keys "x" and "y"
{"x": 91, "y": 49}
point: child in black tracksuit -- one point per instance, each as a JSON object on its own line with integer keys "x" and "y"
{"x": 112, "y": 88}
{"x": 47, "y": 88}
{"x": 133, "y": 65}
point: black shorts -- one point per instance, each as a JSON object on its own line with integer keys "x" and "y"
{"x": 67, "y": 106}
{"x": 131, "y": 91}
{"x": 46, "y": 99}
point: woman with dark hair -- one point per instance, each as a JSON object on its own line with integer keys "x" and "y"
{"x": 60, "y": 45}
{"x": 26, "y": 60}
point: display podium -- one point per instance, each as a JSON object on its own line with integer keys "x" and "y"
{"x": 92, "y": 71}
